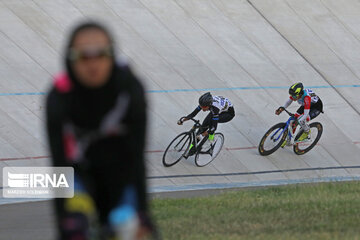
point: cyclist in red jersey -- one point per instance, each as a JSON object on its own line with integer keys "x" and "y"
{"x": 311, "y": 106}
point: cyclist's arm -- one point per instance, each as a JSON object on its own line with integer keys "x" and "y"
{"x": 138, "y": 129}
{"x": 194, "y": 113}
{"x": 288, "y": 102}
{"x": 307, "y": 105}
{"x": 54, "y": 126}
{"x": 137, "y": 126}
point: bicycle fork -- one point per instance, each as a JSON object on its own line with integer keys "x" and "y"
{"x": 290, "y": 138}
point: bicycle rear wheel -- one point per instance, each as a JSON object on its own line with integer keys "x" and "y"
{"x": 272, "y": 140}
{"x": 176, "y": 149}
{"x": 210, "y": 151}
{"x": 303, "y": 147}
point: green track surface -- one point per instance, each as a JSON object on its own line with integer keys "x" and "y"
{"x": 311, "y": 211}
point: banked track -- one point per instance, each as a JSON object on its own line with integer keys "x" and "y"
{"x": 249, "y": 51}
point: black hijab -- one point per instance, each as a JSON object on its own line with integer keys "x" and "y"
{"x": 76, "y": 31}
{"x": 89, "y": 105}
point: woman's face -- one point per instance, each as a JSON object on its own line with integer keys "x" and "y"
{"x": 91, "y": 58}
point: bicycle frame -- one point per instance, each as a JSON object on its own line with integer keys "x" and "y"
{"x": 192, "y": 133}
{"x": 288, "y": 127}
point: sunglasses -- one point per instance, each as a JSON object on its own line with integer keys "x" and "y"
{"x": 90, "y": 53}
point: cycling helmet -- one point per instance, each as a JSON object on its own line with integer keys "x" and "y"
{"x": 206, "y": 100}
{"x": 296, "y": 90}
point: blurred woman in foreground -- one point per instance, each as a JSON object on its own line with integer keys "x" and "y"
{"x": 96, "y": 122}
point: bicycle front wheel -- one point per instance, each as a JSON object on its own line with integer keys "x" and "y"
{"x": 176, "y": 149}
{"x": 272, "y": 139}
{"x": 209, "y": 151}
{"x": 303, "y": 147}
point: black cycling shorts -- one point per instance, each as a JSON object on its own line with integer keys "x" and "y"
{"x": 223, "y": 117}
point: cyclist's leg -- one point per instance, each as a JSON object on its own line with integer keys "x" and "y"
{"x": 303, "y": 124}
{"x": 299, "y": 112}
{"x": 227, "y": 116}
{"x": 224, "y": 117}
{"x": 205, "y": 124}
{"x": 204, "y": 127}
{"x": 316, "y": 109}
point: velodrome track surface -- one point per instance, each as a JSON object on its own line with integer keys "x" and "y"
{"x": 249, "y": 51}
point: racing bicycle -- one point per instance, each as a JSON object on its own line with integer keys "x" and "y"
{"x": 287, "y": 134}
{"x": 205, "y": 150}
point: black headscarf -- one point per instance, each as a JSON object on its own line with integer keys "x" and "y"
{"x": 92, "y": 103}
{"x": 85, "y": 26}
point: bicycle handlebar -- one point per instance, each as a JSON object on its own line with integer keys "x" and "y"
{"x": 290, "y": 114}
{"x": 194, "y": 120}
